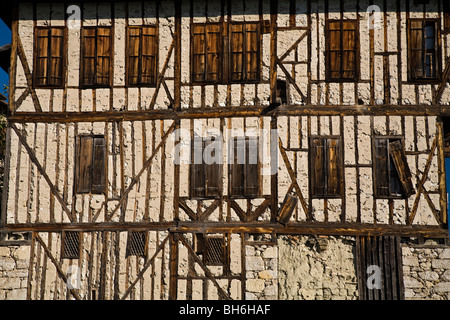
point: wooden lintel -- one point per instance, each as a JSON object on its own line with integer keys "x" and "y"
{"x": 294, "y": 228}
{"x": 228, "y": 112}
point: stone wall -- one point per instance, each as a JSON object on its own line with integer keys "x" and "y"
{"x": 426, "y": 272}
{"x": 313, "y": 268}
{"x": 14, "y": 261}
{"x": 261, "y": 263}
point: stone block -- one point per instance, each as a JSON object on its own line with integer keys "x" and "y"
{"x": 442, "y": 287}
{"x": 429, "y": 275}
{"x": 10, "y": 283}
{"x": 4, "y": 252}
{"x": 254, "y": 263}
{"x": 19, "y": 294}
{"x": 6, "y": 263}
{"x": 255, "y": 285}
{"x": 411, "y": 283}
{"x": 22, "y": 253}
{"x": 446, "y": 275}
{"x": 412, "y": 261}
{"x": 440, "y": 264}
{"x": 265, "y": 274}
{"x": 445, "y": 254}
{"x": 269, "y": 253}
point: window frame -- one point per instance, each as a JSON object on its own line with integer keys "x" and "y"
{"x": 438, "y": 51}
{"x": 140, "y": 56}
{"x": 63, "y": 57}
{"x": 231, "y": 174}
{"x": 339, "y": 165}
{"x": 389, "y": 139}
{"x": 328, "y": 51}
{"x": 77, "y": 162}
{"x": 82, "y": 57}
{"x": 225, "y": 58}
{"x": 203, "y": 171}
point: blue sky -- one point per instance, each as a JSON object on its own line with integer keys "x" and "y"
{"x": 5, "y": 38}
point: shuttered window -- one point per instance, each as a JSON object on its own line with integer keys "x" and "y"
{"x": 243, "y": 167}
{"x": 90, "y": 171}
{"x": 244, "y": 51}
{"x": 423, "y": 50}
{"x": 206, "y": 52}
{"x": 142, "y": 48}
{"x": 96, "y": 58}
{"x": 325, "y": 167}
{"x": 49, "y": 57}
{"x": 391, "y": 171}
{"x": 241, "y": 51}
{"x": 446, "y": 11}
{"x": 342, "y": 50}
{"x": 206, "y": 168}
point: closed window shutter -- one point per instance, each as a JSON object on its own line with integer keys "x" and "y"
{"x": 251, "y": 51}
{"x": 401, "y": 165}
{"x": 212, "y": 171}
{"x": 149, "y": 53}
{"x": 84, "y": 171}
{"x": 89, "y": 56}
{"x": 251, "y": 168}
{"x": 317, "y": 167}
{"x": 333, "y": 181}
{"x": 103, "y": 56}
{"x": 381, "y": 168}
{"x": 213, "y": 52}
{"x": 334, "y": 49}
{"x": 237, "y": 51}
{"x": 98, "y": 166}
{"x": 197, "y": 174}
{"x": 56, "y": 57}
{"x": 349, "y": 45}
{"x": 416, "y": 49}
{"x": 198, "y": 53}
{"x": 237, "y": 167}
{"x": 41, "y": 64}
{"x": 133, "y": 55}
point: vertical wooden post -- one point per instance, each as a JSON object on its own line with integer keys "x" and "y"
{"x": 441, "y": 172}
{"x": 13, "y": 60}
{"x": 273, "y": 121}
{"x": 173, "y": 266}
{"x": 177, "y": 104}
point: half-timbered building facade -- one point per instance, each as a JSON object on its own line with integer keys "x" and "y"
{"x": 177, "y": 149}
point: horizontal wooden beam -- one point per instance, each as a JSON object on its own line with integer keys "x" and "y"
{"x": 228, "y": 112}
{"x": 298, "y": 228}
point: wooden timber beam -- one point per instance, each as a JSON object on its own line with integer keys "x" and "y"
{"x": 228, "y": 112}
{"x": 294, "y": 228}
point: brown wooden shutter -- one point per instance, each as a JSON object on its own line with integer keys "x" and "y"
{"x": 349, "y": 49}
{"x": 103, "y": 56}
{"x": 213, "y": 52}
{"x": 333, "y": 181}
{"x": 317, "y": 167}
{"x": 252, "y": 51}
{"x": 381, "y": 173}
{"x": 401, "y": 165}
{"x": 56, "y": 57}
{"x": 415, "y": 45}
{"x": 88, "y": 56}
{"x": 334, "y": 49}
{"x": 149, "y": 54}
{"x": 251, "y": 168}
{"x": 197, "y": 174}
{"x": 98, "y": 166}
{"x": 133, "y": 55}
{"x": 84, "y": 164}
{"x": 198, "y": 53}
{"x": 212, "y": 172}
{"x": 237, "y": 167}
{"x": 41, "y": 63}
{"x": 237, "y": 51}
